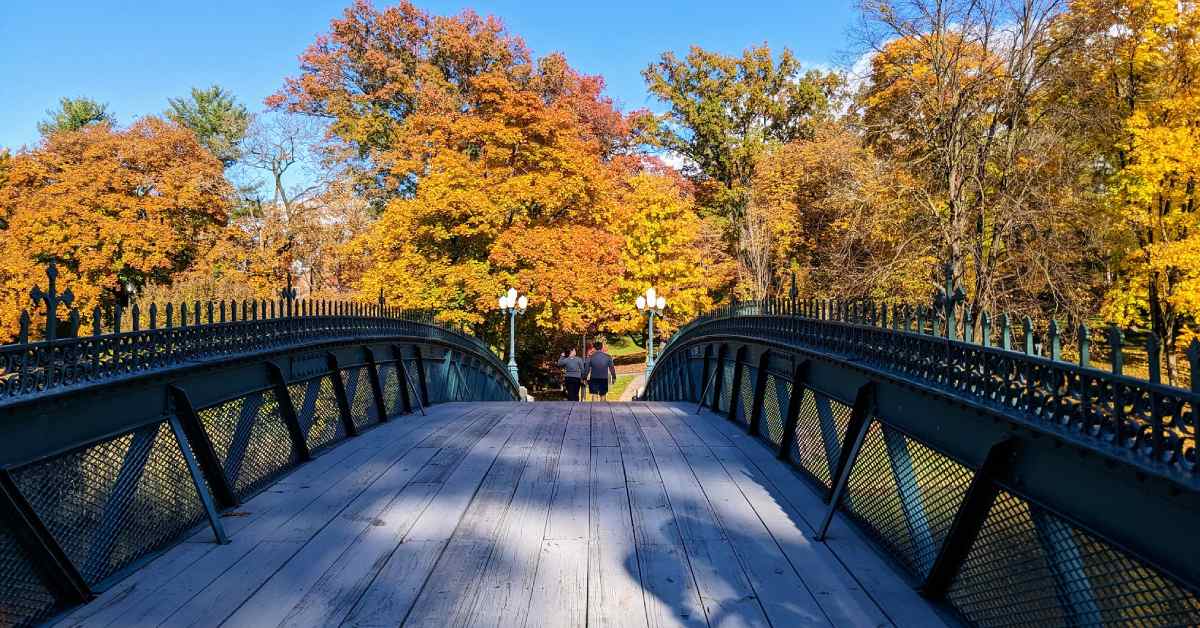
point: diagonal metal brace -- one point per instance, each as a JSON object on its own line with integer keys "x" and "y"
{"x": 46, "y": 556}
{"x": 860, "y": 424}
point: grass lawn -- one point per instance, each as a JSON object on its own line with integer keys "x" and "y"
{"x": 622, "y": 346}
{"x": 614, "y": 391}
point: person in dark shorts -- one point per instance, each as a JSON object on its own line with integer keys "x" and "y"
{"x": 572, "y": 366}
{"x": 600, "y": 371}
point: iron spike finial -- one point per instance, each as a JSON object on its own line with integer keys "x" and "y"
{"x": 52, "y": 299}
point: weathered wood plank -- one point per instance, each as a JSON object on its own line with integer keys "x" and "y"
{"x": 614, "y": 578}
{"x": 393, "y": 592}
{"x": 452, "y": 590}
{"x": 329, "y": 601}
{"x": 782, "y": 594}
{"x": 560, "y": 588}
{"x": 683, "y": 425}
{"x": 507, "y": 583}
{"x": 603, "y": 432}
{"x": 570, "y": 510}
{"x": 275, "y": 598}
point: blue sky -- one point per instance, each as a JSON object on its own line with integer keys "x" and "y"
{"x": 134, "y": 55}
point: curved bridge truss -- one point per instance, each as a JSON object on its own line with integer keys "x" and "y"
{"x": 1018, "y": 490}
{"x": 115, "y": 446}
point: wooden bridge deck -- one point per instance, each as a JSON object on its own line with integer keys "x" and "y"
{"x": 546, "y": 514}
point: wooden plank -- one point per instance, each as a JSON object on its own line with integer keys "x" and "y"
{"x": 670, "y": 589}
{"x": 453, "y": 451}
{"x": 392, "y": 593}
{"x": 329, "y": 601}
{"x": 839, "y": 594}
{"x": 220, "y": 598}
{"x": 560, "y": 588}
{"x": 275, "y": 598}
{"x": 604, "y": 434}
{"x": 391, "y": 596}
{"x": 451, "y": 592}
{"x": 677, "y": 419}
{"x": 782, "y": 594}
{"x": 725, "y": 592}
{"x": 327, "y": 487}
{"x": 507, "y": 583}
{"x": 570, "y": 510}
{"x": 615, "y": 595}
{"x": 893, "y": 595}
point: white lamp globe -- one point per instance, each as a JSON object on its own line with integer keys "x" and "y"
{"x": 650, "y": 294}
{"x": 661, "y": 303}
{"x": 512, "y": 296}
{"x": 641, "y": 302}
{"x": 522, "y": 302}
{"x": 503, "y": 302}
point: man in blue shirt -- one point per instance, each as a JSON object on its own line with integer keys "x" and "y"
{"x": 600, "y": 371}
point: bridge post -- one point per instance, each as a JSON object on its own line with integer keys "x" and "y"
{"x": 799, "y": 377}
{"x": 214, "y": 474}
{"x": 719, "y": 378}
{"x": 422, "y": 379}
{"x": 287, "y": 411}
{"x": 376, "y": 386}
{"x": 760, "y": 390}
{"x": 403, "y": 381}
{"x": 46, "y": 556}
{"x": 969, "y": 519}
{"x": 859, "y": 425}
{"x": 339, "y": 393}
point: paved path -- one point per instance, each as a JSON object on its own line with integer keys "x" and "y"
{"x": 634, "y": 387}
{"x": 507, "y": 514}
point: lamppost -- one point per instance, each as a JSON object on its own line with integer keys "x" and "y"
{"x": 513, "y": 305}
{"x": 651, "y": 305}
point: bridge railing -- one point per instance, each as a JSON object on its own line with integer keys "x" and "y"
{"x": 116, "y": 445}
{"x": 1013, "y": 488}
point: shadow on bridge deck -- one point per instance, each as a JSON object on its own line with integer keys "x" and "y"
{"x": 546, "y": 514}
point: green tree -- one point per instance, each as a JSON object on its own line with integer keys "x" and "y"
{"x": 73, "y": 114}
{"x": 725, "y": 111}
{"x": 217, "y": 119}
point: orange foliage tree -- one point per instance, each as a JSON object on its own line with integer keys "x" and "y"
{"x": 491, "y": 167}
{"x": 113, "y": 206}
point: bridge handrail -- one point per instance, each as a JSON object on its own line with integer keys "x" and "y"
{"x": 31, "y": 369}
{"x": 1151, "y": 423}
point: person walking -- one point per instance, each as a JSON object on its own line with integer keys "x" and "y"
{"x": 600, "y": 371}
{"x": 572, "y": 366}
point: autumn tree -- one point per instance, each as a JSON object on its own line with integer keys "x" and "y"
{"x": 113, "y": 206}
{"x": 489, "y": 167}
{"x": 662, "y": 247}
{"x": 829, "y": 211}
{"x": 1133, "y": 83}
{"x": 73, "y": 114}
{"x": 956, "y": 96}
{"x": 724, "y": 113}
{"x": 217, "y": 119}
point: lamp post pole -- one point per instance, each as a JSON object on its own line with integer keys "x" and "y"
{"x": 513, "y": 305}
{"x": 651, "y": 305}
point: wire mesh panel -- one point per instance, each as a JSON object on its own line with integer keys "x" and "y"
{"x": 113, "y": 502}
{"x": 389, "y": 381}
{"x": 319, "y": 416}
{"x": 1031, "y": 567}
{"x": 775, "y": 399}
{"x": 820, "y": 429}
{"x": 358, "y": 392}
{"x": 749, "y": 373}
{"x": 24, "y": 600}
{"x": 905, "y": 495}
{"x": 250, "y": 440}
{"x": 726, "y": 385}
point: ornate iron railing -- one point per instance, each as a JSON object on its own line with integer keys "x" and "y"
{"x": 1014, "y": 488}
{"x": 114, "y": 446}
